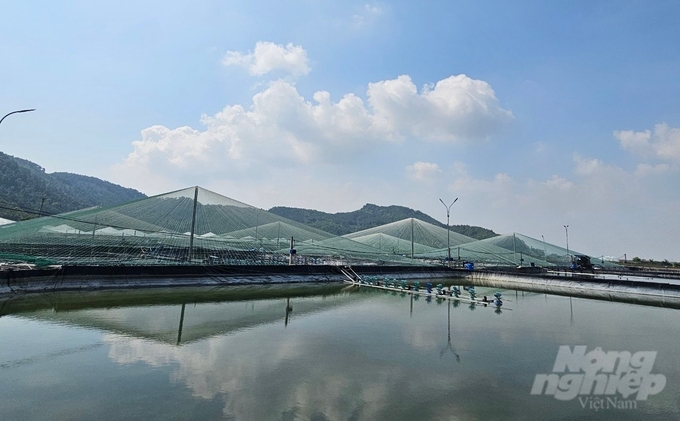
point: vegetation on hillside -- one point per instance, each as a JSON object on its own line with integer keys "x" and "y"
{"x": 24, "y": 185}
{"x": 369, "y": 216}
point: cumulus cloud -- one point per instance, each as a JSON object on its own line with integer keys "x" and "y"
{"x": 268, "y": 57}
{"x": 422, "y": 171}
{"x": 663, "y": 143}
{"x": 455, "y": 109}
{"x": 282, "y": 129}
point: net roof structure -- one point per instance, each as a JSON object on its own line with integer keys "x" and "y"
{"x": 481, "y": 253}
{"x": 533, "y": 250}
{"x": 411, "y": 230}
{"x": 428, "y": 243}
{"x": 158, "y": 230}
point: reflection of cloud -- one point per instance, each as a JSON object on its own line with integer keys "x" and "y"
{"x": 258, "y": 382}
{"x": 255, "y": 381}
{"x": 421, "y": 339}
{"x": 373, "y": 360}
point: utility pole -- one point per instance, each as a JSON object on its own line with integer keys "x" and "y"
{"x": 448, "y": 231}
{"x": 545, "y": 252}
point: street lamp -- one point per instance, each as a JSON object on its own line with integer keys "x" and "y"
{"x": 16, "y": 112}
{"x": 448, "y": 244}
{"x": 545, "y": 252}
{"x": 566, "y": 231}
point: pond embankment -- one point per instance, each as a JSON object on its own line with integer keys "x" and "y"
{"x": 67, "y": 278}
{"x": 612, "y": 286}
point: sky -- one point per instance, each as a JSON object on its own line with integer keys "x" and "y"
{"x": 534, "y": 114}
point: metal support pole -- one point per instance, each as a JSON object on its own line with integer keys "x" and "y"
{"x": 566, "y": 231}
{"x": 193, "y": 226}
{"x": 412, "y": 248}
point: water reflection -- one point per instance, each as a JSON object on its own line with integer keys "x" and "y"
{"x": 449, "y": 347}
{"x": 346, "y": 354}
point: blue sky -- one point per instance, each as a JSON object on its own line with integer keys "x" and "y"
{"x": 536, "y": 114}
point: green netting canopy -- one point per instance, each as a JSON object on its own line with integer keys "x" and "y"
{"x": 416, "y": 231}
{"x": 533, "y": 250}
{"x": 189, "y": 226}
{"x": 197, "y": 226}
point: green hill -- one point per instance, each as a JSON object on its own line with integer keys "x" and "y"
{"x": 369, "y": 216}
{"x": 24, "y": 184}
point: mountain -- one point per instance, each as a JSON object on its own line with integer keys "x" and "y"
{"x": 369, "y": 216}
{"x": 24, "y": 184}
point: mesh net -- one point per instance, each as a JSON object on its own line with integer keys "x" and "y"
{"x": 412, "y": 229}
{"x": 538, "y": 251}
{"x": 158, "y": 230}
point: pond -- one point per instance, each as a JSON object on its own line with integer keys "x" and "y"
{"x": 325, "y": 353}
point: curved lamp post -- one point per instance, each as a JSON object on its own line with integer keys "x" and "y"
{"x": 448, "y": 244}
{"x": 16, "y": 112}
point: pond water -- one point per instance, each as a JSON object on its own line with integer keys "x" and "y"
{"x": 344, "y": 354}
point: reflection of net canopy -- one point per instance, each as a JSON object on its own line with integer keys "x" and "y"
{"x": 161, "y": 321}
{"x": 197, "y": 226}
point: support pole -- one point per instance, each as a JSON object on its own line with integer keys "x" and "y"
{"x": 412, "y": 248}
{"x": 193, "y": 226}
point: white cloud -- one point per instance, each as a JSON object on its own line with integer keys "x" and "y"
{"x": 423, "y": 171}
{"x": 366, "y": 15}
{"x": 540, "y": 147}
{"x": 268, "y": 57}
{"x": 663, "y": 143}
{"x": 559, "y": 183}
{"x": 281, "y": 129}
{"x": 457, "y": 108}
{"x": 643, "y": 170}
{"x": 610, "y": 210}
{"x": 586, "y": 166}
